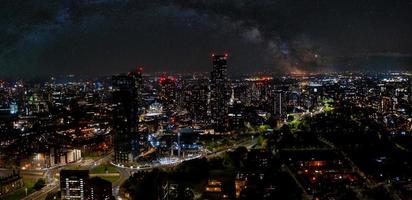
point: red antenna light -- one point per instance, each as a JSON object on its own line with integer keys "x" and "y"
{"x": 162, "y": 79}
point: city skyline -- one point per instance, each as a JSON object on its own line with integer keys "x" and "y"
{"x": 206, "y": 100}
{"x": 207, "y": 136}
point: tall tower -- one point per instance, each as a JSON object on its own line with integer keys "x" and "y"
{"x": 127, "y": 100}
{"x": 219, "y": 93}
{"x": 137, "y": 83}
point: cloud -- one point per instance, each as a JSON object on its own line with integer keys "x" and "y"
{"x": 51, "y": 44}
{"x": 253, "y": 35}
{"x": 109, "y": 36}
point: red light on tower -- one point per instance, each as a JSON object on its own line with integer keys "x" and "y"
{"x": 162, "y": 79}
{"x": 226, "y": 55}
{"x": 140, "y": 69}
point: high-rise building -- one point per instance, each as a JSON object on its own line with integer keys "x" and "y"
{"x": 219, "y": 93}
{"x": 236, "y": 115}
{"x": 76, "y": 185}
{"x": 127, "y": 100}
{"x": 73, "y": 184}
{"x": 168, "y": 90}
{"x": 137, "y": 79}
{"x": 195, "y": 99}
{"x": 279, "y": 107}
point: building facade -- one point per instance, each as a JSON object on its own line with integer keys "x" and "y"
{"x": 127, "y": 102}
{"x": 219, "y": 94}
{"x": 73, "y": 184}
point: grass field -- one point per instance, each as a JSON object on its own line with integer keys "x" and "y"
{"x": 110, "y": 178}
{"x": 74, "y": 167}
{"x": 101, "y": 169}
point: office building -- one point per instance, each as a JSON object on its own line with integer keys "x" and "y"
{"x": 73, "y": 184}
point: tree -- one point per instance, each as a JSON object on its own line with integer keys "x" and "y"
{"x": 146, "y": 187}
{"x": 39, "y": 184}
{"x": 193, "y": 170}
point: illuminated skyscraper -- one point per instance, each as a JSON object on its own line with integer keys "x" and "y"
{"x": 195, "y": 99}
{"x": 219, "y": 93}
{"x": 168, "y": 87}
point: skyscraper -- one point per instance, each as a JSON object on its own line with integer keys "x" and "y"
{"x": 219, "y": 93}
{"x": 137, "y": 79}
{"x": 168, "y": 90}
{"x": 127, "y": 100}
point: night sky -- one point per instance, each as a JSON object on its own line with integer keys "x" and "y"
{"x": 98, "y": 37}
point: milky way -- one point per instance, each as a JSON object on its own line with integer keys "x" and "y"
{"x": 95, "y": 37}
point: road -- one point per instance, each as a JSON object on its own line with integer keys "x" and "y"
{"x": 126, "y": 172}
{"x": 246, "y": 143}
{"x": 53, "y": 184}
